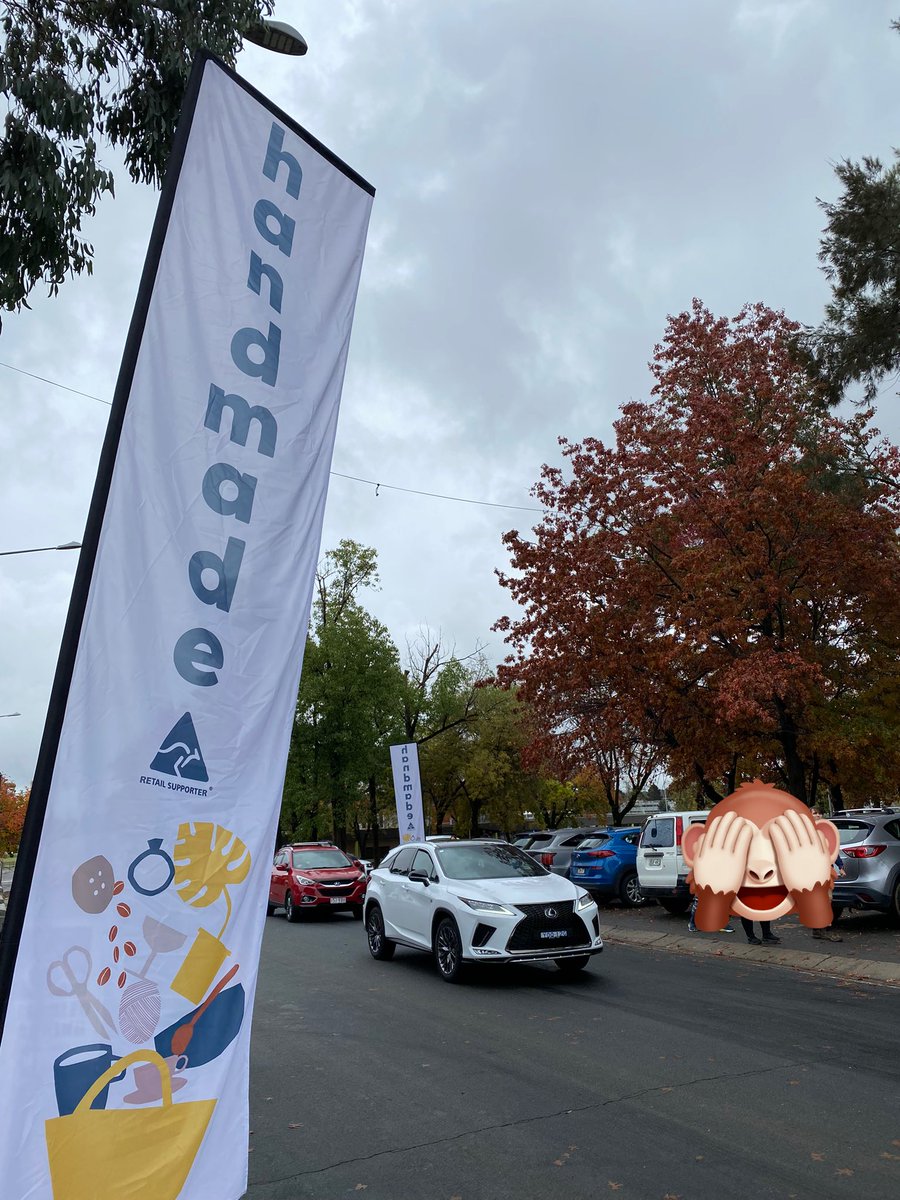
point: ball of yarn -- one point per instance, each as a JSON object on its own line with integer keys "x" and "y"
{"x": 139, "y": 1011}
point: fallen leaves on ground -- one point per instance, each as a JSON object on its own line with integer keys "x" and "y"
{"x": 613, "y": 1187}
{"x": 295, "y": 1124}
{"x": 817, "y": 1156}
{"x": 844, "y": 1171}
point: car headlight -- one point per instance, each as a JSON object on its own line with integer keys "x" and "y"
{"x": 585, "y": 900}
{"x": 487, "y": 906}
{"x": 304, "y": 882}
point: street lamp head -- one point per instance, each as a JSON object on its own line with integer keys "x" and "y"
{"x": 277, "y": 36}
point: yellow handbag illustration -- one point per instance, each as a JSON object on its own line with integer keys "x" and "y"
{"x": 134, "y": 1154}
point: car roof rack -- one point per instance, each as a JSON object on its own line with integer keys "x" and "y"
{"x": 871, "y": 810}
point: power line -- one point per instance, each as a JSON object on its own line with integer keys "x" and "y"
{"x": 53, "y": 383}
{"x": 356, "y": 479}
{"x": 435, "y": 495}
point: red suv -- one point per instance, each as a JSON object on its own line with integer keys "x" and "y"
{"x": 311, "y": 875}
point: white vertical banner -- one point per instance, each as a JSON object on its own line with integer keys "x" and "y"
{"x": 125, "y": 1048}
{"x": 408, "y": 792}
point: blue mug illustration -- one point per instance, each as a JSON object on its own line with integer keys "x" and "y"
{"x": 77, "y": 1069}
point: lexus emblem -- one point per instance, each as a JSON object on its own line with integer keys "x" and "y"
{"x": 550, "y": 912}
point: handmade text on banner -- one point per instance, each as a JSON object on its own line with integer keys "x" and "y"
{"x": 126, "y": 1041}
{"x": 408, "y": 792}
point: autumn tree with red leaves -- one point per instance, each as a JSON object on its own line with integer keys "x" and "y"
{"x": 12, "y": 818}
{"x": 719, "y": 587}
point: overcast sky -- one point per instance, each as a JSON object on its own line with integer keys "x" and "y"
{"x": 553, "y": 179}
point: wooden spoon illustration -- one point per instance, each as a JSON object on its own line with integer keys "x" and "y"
{"x": 183, "y": 1034}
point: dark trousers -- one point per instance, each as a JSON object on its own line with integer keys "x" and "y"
{"x": 765, "y": 926}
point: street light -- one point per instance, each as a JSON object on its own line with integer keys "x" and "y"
{"x": 41, "y": 549}
{"x": 277, "y": 36}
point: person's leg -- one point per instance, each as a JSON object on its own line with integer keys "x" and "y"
{"x": 827, "y": 935}
{"x": 748, "y": 929}
{"x": 692, "y": 928}
{"x": 767, "y": 934}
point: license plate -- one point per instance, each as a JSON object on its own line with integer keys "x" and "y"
{"x": 338, "y": 899}
{"x": 581, "y": 870}
{"x": 553, "y": 933}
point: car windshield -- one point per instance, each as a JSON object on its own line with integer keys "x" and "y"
{"x": 319, "y": 860}
{"x": 491, "y": 861}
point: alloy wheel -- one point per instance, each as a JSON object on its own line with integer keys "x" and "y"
{"x": 375, "y": 931}
{"x": 633, "y": 894}
{"x": 447, "y": 949}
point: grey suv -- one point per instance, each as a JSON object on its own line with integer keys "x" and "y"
{"x": 553, "y": 847}
{"x": 870, "y": 849}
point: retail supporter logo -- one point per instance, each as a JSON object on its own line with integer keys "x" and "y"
{"x": 179, "y": 753}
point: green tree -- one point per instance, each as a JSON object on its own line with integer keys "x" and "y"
{"x": 78, "y": 73}
{"x": 495, "y": 782}
{"x": 859, "y": 340}
{"x": 348, "y": 707}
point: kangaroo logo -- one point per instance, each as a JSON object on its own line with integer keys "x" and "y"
{"x": 179, "y": 754}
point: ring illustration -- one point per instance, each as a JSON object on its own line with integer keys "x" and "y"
{"x": 154, "y": 850}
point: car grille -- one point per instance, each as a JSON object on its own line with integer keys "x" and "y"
{"x": 337, "y": 889}
{"x": 527, "y": 934}
{"x": 563, "y": 908}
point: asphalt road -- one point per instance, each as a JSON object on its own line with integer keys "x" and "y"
{"x": 651, "y": 1077}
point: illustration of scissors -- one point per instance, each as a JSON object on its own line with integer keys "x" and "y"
{"x": 77, "y": 986}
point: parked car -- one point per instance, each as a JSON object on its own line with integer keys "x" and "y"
{"x": 476, "y": 901}
{"x": 662, "y": 872}
{"x": 315, "y": 875}
{"x": 606, "y": 864}
{"x": 553, "y": 847}
{"x": 870, "y": 850}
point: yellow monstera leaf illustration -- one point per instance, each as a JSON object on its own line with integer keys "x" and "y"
{"x": 209, "y": 859}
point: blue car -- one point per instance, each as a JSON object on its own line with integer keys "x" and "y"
{"x": 605, "y": 864}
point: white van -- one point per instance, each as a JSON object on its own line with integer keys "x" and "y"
{"x": 662, "y": 871}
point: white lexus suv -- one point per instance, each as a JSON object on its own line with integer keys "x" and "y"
{"x": 478, "y": 901}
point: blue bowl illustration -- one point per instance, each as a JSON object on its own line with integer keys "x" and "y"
{"x": 214, "y": 1031}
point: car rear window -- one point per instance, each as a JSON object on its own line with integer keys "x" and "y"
{"x": 659, "y": 833}
{"x": 540, "y": 839}
{"x": 577, "y": 840}
{"x": 592, "y": 843}
{"x": 853, "y": 831}
{"x": 319, "y": 860}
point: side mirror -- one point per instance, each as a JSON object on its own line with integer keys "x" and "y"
{"x": 283, "y": 867}
{"x": 418, "y": 877}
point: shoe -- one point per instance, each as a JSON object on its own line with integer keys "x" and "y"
{"x": 692, "y": 929}
{"x": 772, "y": 940}
{"x": 727, "y": 929}
{"x": 753, "y": 941}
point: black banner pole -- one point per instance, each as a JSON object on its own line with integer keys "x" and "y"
{"x": 56, "y": 710}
